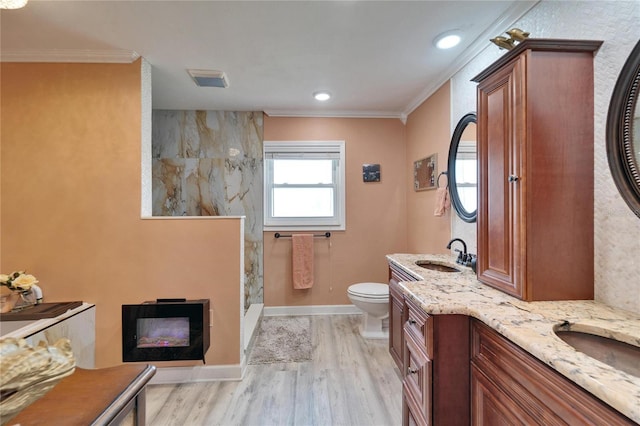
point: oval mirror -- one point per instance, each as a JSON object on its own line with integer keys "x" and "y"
{"x": 463, "y": 168}
{"x": 623, "y": 132}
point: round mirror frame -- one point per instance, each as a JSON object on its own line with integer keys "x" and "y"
{"x": 464, "y": 214}
{"x": 620, "y": 143}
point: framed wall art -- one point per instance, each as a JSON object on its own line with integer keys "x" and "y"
{"x": 371, "y": 172}
{"x": 425, "y": 172}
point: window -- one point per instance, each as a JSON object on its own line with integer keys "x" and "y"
{"x": 304, "y": 185}
{"x": 466, "y": 177}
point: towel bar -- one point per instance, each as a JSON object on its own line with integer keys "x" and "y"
{"x": 279, "y": 235}
{"x": 438, "y": 179}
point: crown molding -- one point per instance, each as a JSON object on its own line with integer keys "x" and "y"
{"x": 337, "y": 114}
{"x": 70, "y": 55}
{"x": 510, "y": 17}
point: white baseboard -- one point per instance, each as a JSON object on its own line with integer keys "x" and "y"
{"x": 193, "y": 374}
{"x": 272, "y": 311}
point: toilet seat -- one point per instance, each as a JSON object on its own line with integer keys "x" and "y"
{"x": 373, "y": 291}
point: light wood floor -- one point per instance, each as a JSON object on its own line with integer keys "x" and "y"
{"x": 350, "y": 381}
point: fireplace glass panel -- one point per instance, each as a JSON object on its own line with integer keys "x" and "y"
{"x": 159, "y": 332}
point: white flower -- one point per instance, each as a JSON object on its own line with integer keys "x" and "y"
{"x": 24, "y": 282}
{"x": 18, "y": 280}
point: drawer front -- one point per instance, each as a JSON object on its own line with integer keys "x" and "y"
{"x": 420, "y": 326}
{"x": 418, "y": 375}
{"x": 412, "y": 414}
{"x": 399, "y": 274}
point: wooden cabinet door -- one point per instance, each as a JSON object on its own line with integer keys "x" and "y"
{"x": 396, "y": 320}
{"x": 397, "y": 313}
{"x": 491, "y": 406}
{"x": 501, "y": 218}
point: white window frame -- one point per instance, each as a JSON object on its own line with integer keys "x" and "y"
{"x": 308, "y": 148}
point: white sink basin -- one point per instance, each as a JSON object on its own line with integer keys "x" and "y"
{"x": 605, "y": 348}
{"x": 436, "y": 266}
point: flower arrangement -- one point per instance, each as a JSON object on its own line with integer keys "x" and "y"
{"x": 18, "y": 281}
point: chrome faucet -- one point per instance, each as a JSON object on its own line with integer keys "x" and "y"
{"x": 462, "y": 255}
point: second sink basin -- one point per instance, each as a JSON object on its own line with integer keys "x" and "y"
{"x": 436, "y": 266}
{"x": 617, "y": 354}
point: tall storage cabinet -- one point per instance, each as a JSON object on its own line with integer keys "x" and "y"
{"x": 535, "y": 150}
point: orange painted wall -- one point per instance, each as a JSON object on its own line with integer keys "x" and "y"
{"x": 428, "y": 132}
{"x": 376, "y": 213}
{"x": 70, "y": 173}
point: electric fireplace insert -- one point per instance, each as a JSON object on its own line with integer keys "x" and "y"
{"x": 165, "y": 330}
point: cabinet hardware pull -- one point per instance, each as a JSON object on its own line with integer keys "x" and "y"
{"x": 513, "y": 178}
{"x": 412, "y": 322}
{"x": 412, "y": 370}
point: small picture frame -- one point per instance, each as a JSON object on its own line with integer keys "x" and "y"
{"x": 371, "y": 172}
{"x": 425, "y": 172}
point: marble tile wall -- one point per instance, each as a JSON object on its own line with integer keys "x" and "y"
{"x": 209, "y": 163}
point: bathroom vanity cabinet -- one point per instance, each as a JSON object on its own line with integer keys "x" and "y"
{"x": 432, "y": 354}
{"x": 535, "y": 150}
{"x": 509, "y": 386}
{"x": 456, "y": 349}
{"x": 435, "y": 386}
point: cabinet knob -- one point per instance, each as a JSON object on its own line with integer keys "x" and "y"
{"x": 412, "y": 322}
{"x": 513, "y": 178}
{"x": 412, "y": 370}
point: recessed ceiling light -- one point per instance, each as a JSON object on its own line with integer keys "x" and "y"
{"x": 209, "y": 78}
{"x": 322, "y": 96}
{"x": 447, "y": 40}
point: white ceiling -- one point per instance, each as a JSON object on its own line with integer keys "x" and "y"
{"x": 376, "y": 57}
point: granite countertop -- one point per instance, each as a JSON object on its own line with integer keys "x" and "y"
{"x": 530, "y": 326}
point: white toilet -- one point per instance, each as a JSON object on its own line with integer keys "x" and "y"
{"x": 373, "y": 300}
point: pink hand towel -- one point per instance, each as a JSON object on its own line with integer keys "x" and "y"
{"x": 302, "y": 260}
{"x": 442, "y": 201}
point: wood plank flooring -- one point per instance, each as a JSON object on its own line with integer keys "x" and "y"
{"x": 351, "y": 381}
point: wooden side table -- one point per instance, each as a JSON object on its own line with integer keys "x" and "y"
{"x": 104, "y": 396}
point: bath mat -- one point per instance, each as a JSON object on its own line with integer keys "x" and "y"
{"x": 282, "y": 339}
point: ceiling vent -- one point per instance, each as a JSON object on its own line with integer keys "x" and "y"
{"x": 209, "y": 78}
